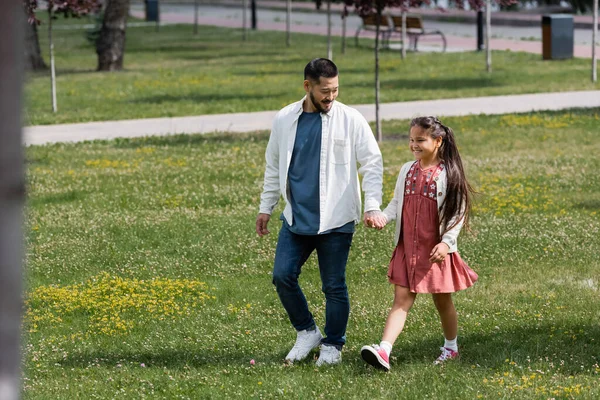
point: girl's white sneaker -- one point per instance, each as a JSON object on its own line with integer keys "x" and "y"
{"x": 447, "y": 354}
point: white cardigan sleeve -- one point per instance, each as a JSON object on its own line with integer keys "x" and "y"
{"x": 391, "y": 211}
{"x": 451, "y": 236}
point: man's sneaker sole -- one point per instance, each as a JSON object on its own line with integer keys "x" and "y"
{"x": 373, "y": 358}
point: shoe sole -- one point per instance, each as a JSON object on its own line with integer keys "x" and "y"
{"x": 373, "y": 358}
{"x": 437, "y": 362}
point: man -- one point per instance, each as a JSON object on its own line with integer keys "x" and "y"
{"x": 311, "y": 160}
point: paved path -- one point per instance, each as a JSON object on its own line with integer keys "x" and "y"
{"x": 509, "y": 18}
{"x": 459, "y": 36}
{"x": 247, "y": 122}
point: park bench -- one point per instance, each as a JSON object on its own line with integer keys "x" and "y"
{"x": 392, "y": 24}
{"x": 369, "y": 23}
{"x": 414, "y": 30}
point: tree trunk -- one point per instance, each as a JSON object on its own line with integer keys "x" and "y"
{"x": 594, "y": 40}
{"x": 33, "y": 54}
{"x": 288, "y": 24}
{"x": 12, "y": 188}
{"x": 344, "y": 20}
{"x": 245, "y": 20}
{"x": 488, "y": 35}
{"x": 377, "y": 121}
{"x": 403, "y": 35}
{"x": 329, "y": 49}
{"x": 111, "y": 42}
{"x": 52, "y": 65}
{"x": 196, "y": 17}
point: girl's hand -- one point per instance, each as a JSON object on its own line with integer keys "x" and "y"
{"x": 375, "y": 219}
{"x": 438, "y": 253}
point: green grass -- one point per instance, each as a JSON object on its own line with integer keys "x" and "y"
{"x": 174, "y": 73}
{"x": 145, "y": 278}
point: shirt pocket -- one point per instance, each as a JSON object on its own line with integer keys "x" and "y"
{"x": 341, "y": 151}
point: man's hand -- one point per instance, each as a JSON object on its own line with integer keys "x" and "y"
{"x": 261, "y": 224}
{"x": 438, "y": 253}
{"x": 375, "y": 219}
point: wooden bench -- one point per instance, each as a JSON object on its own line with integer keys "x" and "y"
{"x": 414, "y": 30}
{"x": 369, "y": 23}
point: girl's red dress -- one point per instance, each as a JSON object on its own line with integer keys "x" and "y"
{"x": 420, "y": 233}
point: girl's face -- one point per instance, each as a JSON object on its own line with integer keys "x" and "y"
{"x": 423, "y": 146}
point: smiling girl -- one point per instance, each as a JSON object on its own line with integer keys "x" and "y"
{"x": 431, "y": 204}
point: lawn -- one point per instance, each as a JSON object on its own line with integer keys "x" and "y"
{"x": 174, "y": 73}
{"x": 145, "y": 278}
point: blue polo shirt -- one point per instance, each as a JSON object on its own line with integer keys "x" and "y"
{"x": 303, "y": 178}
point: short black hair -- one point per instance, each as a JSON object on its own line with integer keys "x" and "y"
{"x": 320, "y": 67}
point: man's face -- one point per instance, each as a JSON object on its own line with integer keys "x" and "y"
{"x": 322, "y": 93}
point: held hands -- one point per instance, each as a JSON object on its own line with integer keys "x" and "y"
{"x": 375, "y": 219}
{"x": 438, "y": 253}
{"x": 261, "y": 224}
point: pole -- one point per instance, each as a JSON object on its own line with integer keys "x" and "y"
{"x": 488, "y": 35}
{"x": 594, "y": 40}
{"x": 288, "y": 24}
{"x": 11, "y": 195}
{"x": 329, "y": 50}
{"x": 195, "y": 17}
{"x": 52, "y": 65}
{"x": 479, "y": 30}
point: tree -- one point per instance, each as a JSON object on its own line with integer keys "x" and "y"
{"x": 33, "y": 55}
{"x": 196, "y": 17}
{"x": 245, "y": 18}
{"x": 12, "y": 195}
{"x": 110, "y": 46}
{"x": 370, "y": 7}
{"x": 594, "y": 39}
{"x": 319, "y": 3}
{"x": 68, "y": 8}
{"x": 288, "y": 23}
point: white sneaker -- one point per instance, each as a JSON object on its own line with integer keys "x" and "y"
{"x": 329, "y": 355}
{"x": 305, "y": 342}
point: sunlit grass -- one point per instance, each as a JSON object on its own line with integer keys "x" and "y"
{"x": 175, "y": 73}
{"x": 157, "y": 236}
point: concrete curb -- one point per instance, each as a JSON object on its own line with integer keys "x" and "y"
{"x": 249, "y": 122}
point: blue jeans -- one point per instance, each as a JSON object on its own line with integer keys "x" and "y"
{"x": 332, "y": 250}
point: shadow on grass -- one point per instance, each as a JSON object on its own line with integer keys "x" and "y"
{"x": 188, "y": 140}
{"x": 173, "y": 358}
{"x": 192, "y": 46}
{"x": 589, "y": 204}
{"x": 234, "y": 54}
{"x": 488, "y": 350}
{"x": 58, "y": 198}
{"x": 198, "y": 97}
{"x": 546, "y": 343}
{"x": 431, "y": 84}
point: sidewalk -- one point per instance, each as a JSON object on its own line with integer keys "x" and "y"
{"x": 248, "y": 122}
{"x": 520, "y": 18}
{"x": 455, "y": 43}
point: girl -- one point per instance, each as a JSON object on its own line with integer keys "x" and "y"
{"x": 431, "y": 203}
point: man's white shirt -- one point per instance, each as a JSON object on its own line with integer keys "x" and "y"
{"x": 347, "y": 140}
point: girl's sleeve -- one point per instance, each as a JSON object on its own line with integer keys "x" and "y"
{"x": 449, "y": 237}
